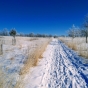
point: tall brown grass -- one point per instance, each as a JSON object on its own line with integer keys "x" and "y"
{"x": 77, "y": 44}
{"x": 32, "y": 60}
{"x": 35, "y": 55}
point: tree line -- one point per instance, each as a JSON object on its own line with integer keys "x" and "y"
{"x": 14, "y": 33}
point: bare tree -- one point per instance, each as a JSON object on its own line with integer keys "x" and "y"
{"x": 72, "y": 32}
{"x": 85, "y": 30}
{"x": 5, "y": 32}
{"x": 1, "y": 45}
{"x": 1, "y": 34}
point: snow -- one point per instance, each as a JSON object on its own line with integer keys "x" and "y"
{"x": 60, "y": 67}
{"x": 14, "y": 57}
{"x": 12, "y": 61}
{"x": 10, "y": 65}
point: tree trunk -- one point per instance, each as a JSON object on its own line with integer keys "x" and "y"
{"x": 86, "y": 36}
{"x": 86, "y": 39}
{"x": 1, "y": 49}
{"x": 14, "y": 41}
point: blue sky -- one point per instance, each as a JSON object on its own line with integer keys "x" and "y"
{"x": 42, "y": 16}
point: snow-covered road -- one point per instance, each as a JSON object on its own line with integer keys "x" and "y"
{"x": 60, "y": 67}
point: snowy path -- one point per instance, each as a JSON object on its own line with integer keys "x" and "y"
{"x": 59, "y": 68}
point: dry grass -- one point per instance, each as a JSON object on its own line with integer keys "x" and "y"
{"x": 1, "y": 79}
{"x": 32, "y": 60}
{"x": 8, "y": 39}
{"x": 32, "y": 39}
{"x": 77, "y": 44}
{"x": 35, "y": 55}
{"x": 70, "y": 44}
{"x": 34, "y": 52}
{"x": 84, "y": 54}
{"x": 12, "y": 58}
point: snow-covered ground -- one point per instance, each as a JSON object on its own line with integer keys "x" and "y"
{"x": 14, "y": 57}
{"x": 12, "y": 61}
{"x": 60, "y": 67}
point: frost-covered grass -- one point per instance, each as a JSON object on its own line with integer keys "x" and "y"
{"x": 35, "y": 54}
{"x": 78, "y": 44}
{"x": 60, "y": 67}
{"x": 17, "y": 59}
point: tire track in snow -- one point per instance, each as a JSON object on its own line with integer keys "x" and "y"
{"x": 60, "y": 68}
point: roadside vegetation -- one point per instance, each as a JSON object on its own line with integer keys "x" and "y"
{"x": 78, "y": 44}
{"x": 77, "y": 38}
{"x": 17, "y": 59}
{"x": 33, "y": 56}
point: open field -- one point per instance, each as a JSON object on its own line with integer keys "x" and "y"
{"x": 16, "y": 60}
{"x": 60, "y": 67}
{"x": 78, "y": 44}
{"x": 43, "y": 63}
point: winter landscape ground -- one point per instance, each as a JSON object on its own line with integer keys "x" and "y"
{"x": 43, "y": 43}
{"x": 41, "y": 63}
